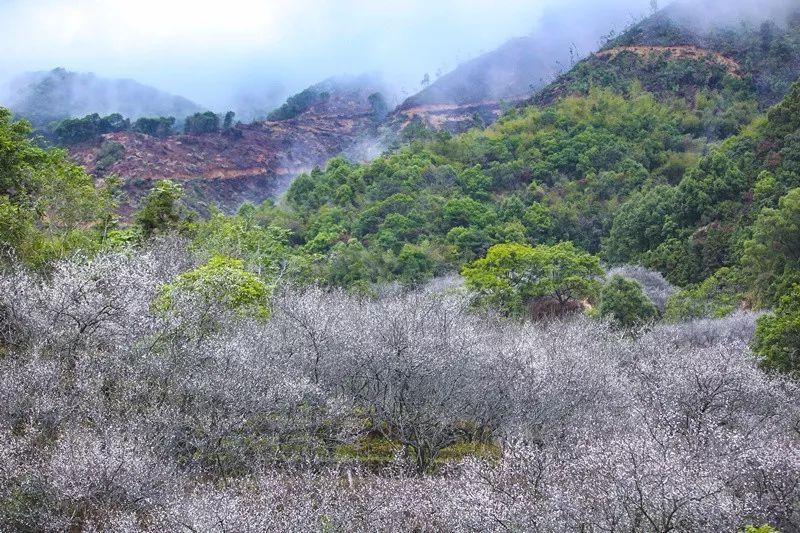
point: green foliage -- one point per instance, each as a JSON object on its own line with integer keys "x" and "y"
{"x": 784, "y": 118}
{"x": 731, "y": 209}
{"x": 535, "y": 177}
{"x": 513, "y": 275}
{"x": 773, "y": 252}
{"x": 162, "y": 210}
{"x": 760, "y": 529}
{"x": 777, "y": 339}
{"x": 414, "y": 265}
{"x": 155, "y": 127}
{"x": 49, "y": 206}
{"x": 110, "y": 152}
{"x": 378, "y": 106}
{"x": 201, "y": 123}
{"x": 262, "y": 245}
{"x": 625, "y": 304}
{"x": 763, "y": 51}
{"x": 717, "y": 296}
{"x": 77, "y": 130}
{"x": 299, "y": 103}
{"x": 222, "y": 281}
{"x": 227, "y": 123}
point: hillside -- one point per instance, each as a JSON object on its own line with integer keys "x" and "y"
{"x": 252, "y": 162}
{"x": 620, "y": 156}
{"x": 669, "y": 53}
{"x": 509, "y": 72}
{"x": 583, "y": 317}
{"x": 474, "y": 90}
{"x": 46, "y": 97}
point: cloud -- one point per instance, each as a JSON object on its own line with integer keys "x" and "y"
{"x": 212, "y": 50}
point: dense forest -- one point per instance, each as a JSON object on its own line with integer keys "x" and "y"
{"x": 584, "y": 317}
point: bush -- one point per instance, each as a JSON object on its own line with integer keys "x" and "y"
{"x": 777, "y": 339}
{"x": 717, "y": 296}
{"x": 201, "y": 123}
{"x": 161, "y": 211}
{"x": 624, "y": 302}
{"x": 657, "y": 289}
{"x": 155, "y": 127}
{"x": 110, "y": 152}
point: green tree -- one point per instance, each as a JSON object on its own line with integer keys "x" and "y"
{"x": 719, "y": 295}
{"x": 623, "y": 301}
{"x": 48, "y": 205}
{"x": 162, "y": 210}
{"x": 777, "y": 338}
{"x": 513, "y": 275}
{"x": 227, "y": 123}
{"x": 200, "y": 123}
{"x": 77, "y": 130}
{"x": 414, "y": 265}
{"x": 222, "y": 281}
{"x": 155, "y": 127}
{"x": 773, "y": 253}
{"x": 378, "y": 106}
{"x": 299, "y": 103}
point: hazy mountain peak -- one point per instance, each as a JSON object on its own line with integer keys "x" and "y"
{"x": 47, "y": 96}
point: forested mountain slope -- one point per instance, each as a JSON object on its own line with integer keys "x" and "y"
{"x": 619, "y": 156}
{"x": 754, "y": 59}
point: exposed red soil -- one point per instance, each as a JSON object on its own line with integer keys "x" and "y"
{"x": 254, "y": 164}
{"x": 452, "y": 117}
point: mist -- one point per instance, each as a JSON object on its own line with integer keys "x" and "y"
{"x": 248, "y": 53}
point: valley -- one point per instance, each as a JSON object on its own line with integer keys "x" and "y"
{"x": 551, "y": 291}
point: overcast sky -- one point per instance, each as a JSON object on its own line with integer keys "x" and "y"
{"x": 213, "y": 52}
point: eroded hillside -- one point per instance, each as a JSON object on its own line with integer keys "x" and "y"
{"x": 250, "y": 162}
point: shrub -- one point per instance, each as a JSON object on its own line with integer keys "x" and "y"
{"x": 624, "y": 302}
{"x": 201, "y": 123}
{"x": 777, "y": 339}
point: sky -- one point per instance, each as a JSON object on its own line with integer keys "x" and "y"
{"x": 217, "y": 52}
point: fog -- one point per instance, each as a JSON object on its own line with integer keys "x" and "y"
{"x": 254, "y": 53}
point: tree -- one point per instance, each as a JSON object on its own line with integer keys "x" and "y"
{"x": 227, "y": 123}
{"x": 772, "y": 255}
{"x": 162, "y": 210}
{"x": 49, "y": 206}
{"x": 222, "y": 281}
{"x": 777, "y": 338}
{"x": 299, "y": 103}
{"x": 511, "y": 276}
{"x": 77, "y": 130}
{"x": 414, "y": 265}
{"x": 624, "y": 302}
{"x": 200, "y": 123}
{"x": 155, "y": 127}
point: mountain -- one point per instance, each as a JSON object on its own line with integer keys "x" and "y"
{"x": 725, "y": 74}
{"x": 510, "y": 72}
{"x": 661, "y": 149}
{"x": 475, "y": 91}
{"x": 249, "y": 162}
{"x": 46, "y": 97}
{"x": 734, "y": 49}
